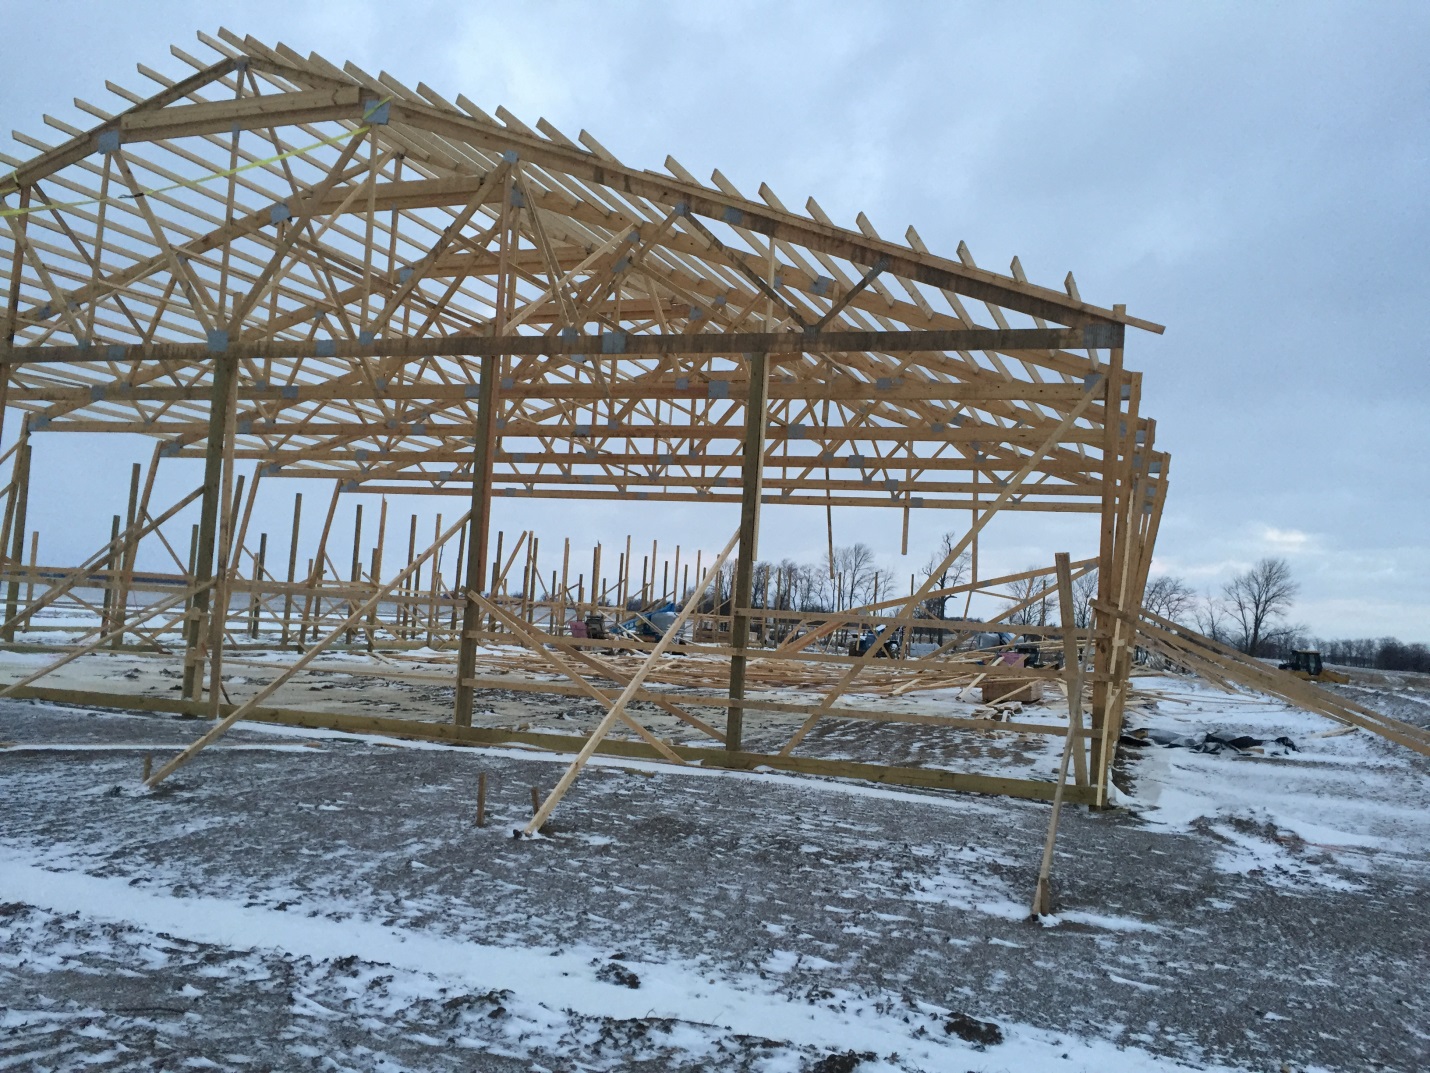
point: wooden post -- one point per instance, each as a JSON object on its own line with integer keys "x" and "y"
{"x": 481, "y": 820}
{"x": 483, "y": 452}
{"x": 1126, "y": 599}
{"x": 405, "y": 610}
{"x": 131, "y": 547}
{"x": 1072, "y": 745}
{"x": 355, "y": 575}
{"x": 375, "y": 573}
{"x": 626, "y": 574}
{"x": 12, "y": 300}
{"x": 225, "y": 366}
{"x": 495, "y": 588}
{"x": 973, "y": 547}
{"x": 21, "y": 479}
{"x": 255, "y": 598}
{"x": 313, "y": 604}
{"x": 765, "y": 606}
{"x": 11, "y": 494}
{"x": 436, "y": 580}
{"x": 530, "y": 580}
{"x": 110, "y": 560}
{"x": 292, "y": 567}
{"x": 558, "y": 615}
{"x": 752, "y": 469}
{"x": 226, "y": 559}
{"x": 34, "y": 566}
{"x": 459, "y": 562}
{"x": 126, "y": 560}
{"x": 1106, "y": 566}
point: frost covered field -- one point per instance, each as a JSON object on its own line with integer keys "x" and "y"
{"x": 311, "y": 900}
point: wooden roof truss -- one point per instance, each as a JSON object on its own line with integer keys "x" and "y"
{"x": 335, "y": 275}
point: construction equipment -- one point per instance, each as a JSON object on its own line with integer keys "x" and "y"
{"x": 1305, "y": 663}
{"x": 1032, "y": 651}
{"x": 651, "y": 624}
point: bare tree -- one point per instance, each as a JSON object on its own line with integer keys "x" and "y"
{"x": 854, "y": 570}
{"x": 1210, "y": 615}
{"x": 951, "y": 575}
{"x": 1037, "y": 592}
{"x": 1084, "y": 592}
{"x": 1258, "y": 598}
{"x": 1284, "y": 637}
{"x": 1169, "y": 596}
{"x": 881, "y": 585}
{"x": 784, "y": 596}
{"x": 811, "y": 587}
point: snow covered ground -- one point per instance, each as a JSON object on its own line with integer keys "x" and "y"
{"x": 310, "y": 900}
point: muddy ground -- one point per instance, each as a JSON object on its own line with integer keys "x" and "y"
{"x": 857, "y": 905}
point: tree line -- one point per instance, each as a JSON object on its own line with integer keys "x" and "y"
{"x": 1249, "y": 612}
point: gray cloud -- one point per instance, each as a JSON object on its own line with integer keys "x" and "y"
{"x": 1254, "y": 176}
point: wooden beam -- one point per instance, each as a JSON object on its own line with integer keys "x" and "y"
{"x": 1010, "y": 340}
{"x": 272, "y": 687}
{"x": 604, "y": 727}
{"x": 220, "y": 397}
{"x": 752, "y": 474}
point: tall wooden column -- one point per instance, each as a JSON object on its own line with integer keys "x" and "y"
{"x": 21, "y": 478}
{"x": 1107, "y": 632}
{"x": 752, "y": 472}
{"x": 1127, "y": 594}
{"x": 225, "y": 366}
{"x": 292, "y": 566}
{"x": 478, "y": 527}
{"x": 12, "y": 301}
{"x": 484, "y": 449}
{"x": 119, "y": 606}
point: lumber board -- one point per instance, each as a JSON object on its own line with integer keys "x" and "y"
{"x": 923, "y": 778}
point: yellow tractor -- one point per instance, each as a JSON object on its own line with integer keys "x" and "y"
{"x": 1305, "y": 663}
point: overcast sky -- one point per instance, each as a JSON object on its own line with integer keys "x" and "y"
{"x": 1252, "y": 176}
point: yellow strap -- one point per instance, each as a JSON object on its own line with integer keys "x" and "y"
{"x": 194, "y": 183}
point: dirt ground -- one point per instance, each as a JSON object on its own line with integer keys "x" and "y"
{"x": 280, "y": 905}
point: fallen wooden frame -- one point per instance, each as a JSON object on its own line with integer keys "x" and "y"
{"x": 1222, "y": 663}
